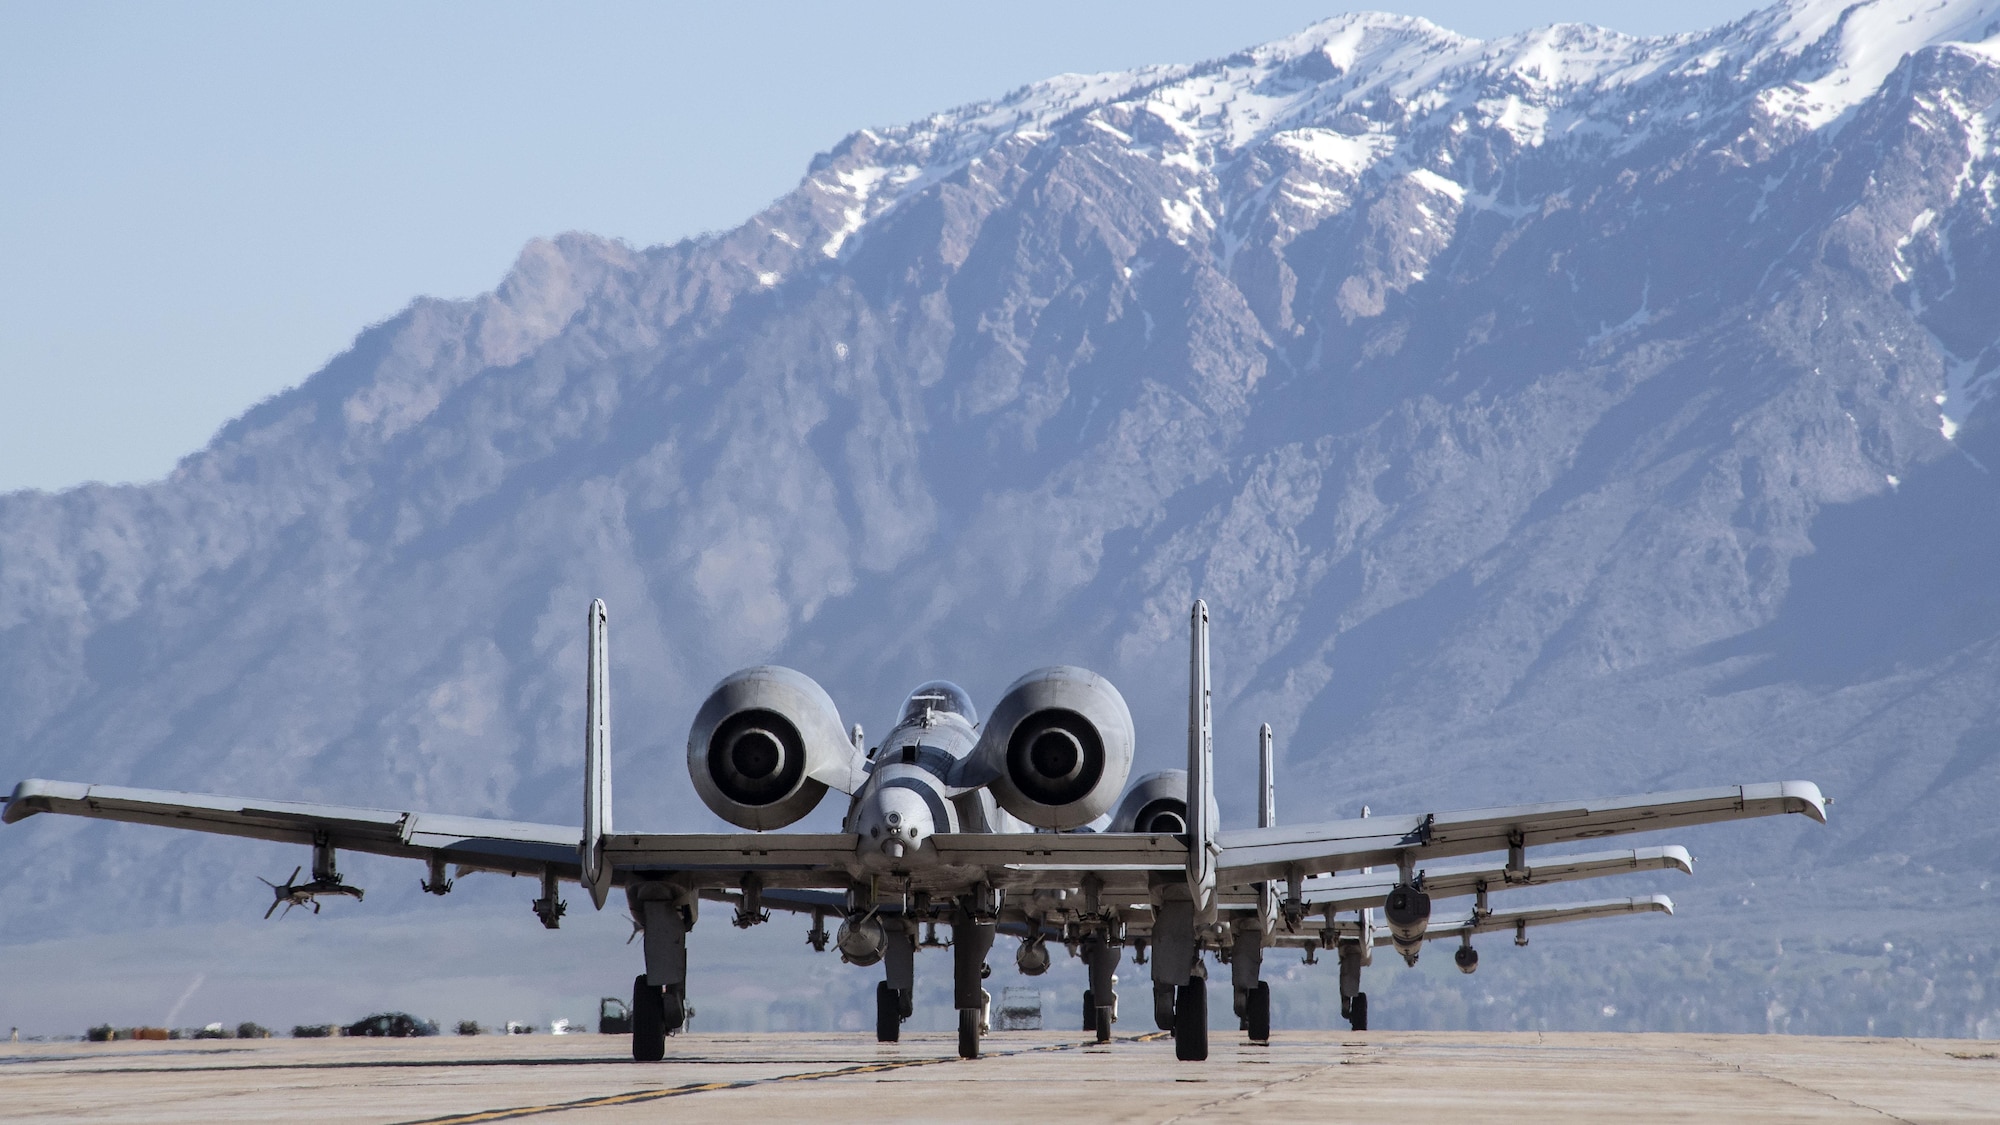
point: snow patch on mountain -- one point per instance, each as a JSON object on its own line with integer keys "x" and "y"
{"x": 1372, "y": 90}
{"x": 1859, "y": 44}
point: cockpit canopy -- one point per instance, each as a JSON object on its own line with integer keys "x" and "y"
{"x": 940, "y": 696}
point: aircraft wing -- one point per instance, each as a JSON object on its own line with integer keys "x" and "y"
{"x": 794, "y": 859}
{"x": 1065, "y": 853}
{"x": 1255, "y": 854}
{"x": 733, "y": 851}
{"x": 1510, "y": 918}
{"x": 1352, "y": 891}
{"x": 1514, "y": 917}
{"x": 472, "y": 842}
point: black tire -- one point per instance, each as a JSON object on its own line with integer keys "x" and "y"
{"x": 968, "y": 1033}
{"x": 888, "y": 1014}
{"x": 1163, "y": 1007}
{"x": 1089, "y": 1010}
{"x": 649, "y": 1022}
{"x": 1191, "y": 1021}
{"x": 1357, "y": 1017}
{"x": 1104, "y": 1024}
{"x": 1257, "y": 1012}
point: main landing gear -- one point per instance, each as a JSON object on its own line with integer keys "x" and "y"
{"x": 1191, "y": 1020}
{"x": 659, "y": 995}
{"x": 1257, "y": 1012}
{"x": 1252, "y": 991}
{"x": 657, "y": 1012}
{"x": 1180, "y": 980}
{"x": 890, "y": 1012}
{"x": 1354, "y": 1010}
{"x": 1353, "y": 1001}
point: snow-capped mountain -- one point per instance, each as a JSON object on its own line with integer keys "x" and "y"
{"x": 1563, "y": 414}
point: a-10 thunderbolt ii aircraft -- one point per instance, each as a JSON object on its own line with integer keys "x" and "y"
{"x": 983, "y": 828}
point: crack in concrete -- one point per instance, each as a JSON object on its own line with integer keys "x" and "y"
{"x": 1742, "y": 1069}
{"x": 1201, "y": 1111}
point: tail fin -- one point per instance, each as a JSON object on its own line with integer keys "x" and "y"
{"x": 596, "y": 762}
{"x": 1267, "y": 780}
{"x": 1202, "y": 813}
{"x": 1267, "y": 817}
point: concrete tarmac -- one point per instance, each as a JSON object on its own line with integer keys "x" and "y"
{"x": 1040, "y": 1076}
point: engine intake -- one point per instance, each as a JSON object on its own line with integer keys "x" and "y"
{"x": 1058, "y": 747}
{"x": 756, "y": 757}
{"x": 1055, "y": 757}
{"x": 764, "y": 747}
{"x": 1156, "y": 802}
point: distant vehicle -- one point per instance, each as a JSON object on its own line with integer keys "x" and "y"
{"x": 394, "y": 1025}
{"x": 614, "y": 1017}
{"x": 1013, "y": 826}
{"x": 1020, "y": 1010}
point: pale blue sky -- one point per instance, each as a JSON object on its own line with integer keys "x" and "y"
{"x": 200, "y": 204}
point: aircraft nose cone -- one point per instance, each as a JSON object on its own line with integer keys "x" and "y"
{"x": 895, "y": 824}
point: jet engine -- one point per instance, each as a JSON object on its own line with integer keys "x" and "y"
{"x": 764, "y": 747}
{"x": 1408, "y": 912}
{"x": 1156, "y": 802}
{"x": 1057, "y": 747}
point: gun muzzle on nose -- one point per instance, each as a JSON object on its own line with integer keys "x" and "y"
{"x": 895, "y": 824}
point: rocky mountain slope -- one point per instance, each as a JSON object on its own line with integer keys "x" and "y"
{"x": 1564, "y": 414}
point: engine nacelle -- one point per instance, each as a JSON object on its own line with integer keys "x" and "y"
{"x": 1156, "y": 802}
{"x": 764, "y": 746}
{"x": 1058, "y": 747}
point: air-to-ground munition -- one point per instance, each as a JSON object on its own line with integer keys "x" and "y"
{"x": 984, "y": 831}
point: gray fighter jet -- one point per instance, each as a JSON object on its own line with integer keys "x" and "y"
{"x": 985, "y": 829}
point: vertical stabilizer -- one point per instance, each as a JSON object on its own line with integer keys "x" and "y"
{"x": 1202, "y": 851}
{"x": 1267, "y": 817}
{"x": 1267, "y": 780}
{"x": 596, "y": 761}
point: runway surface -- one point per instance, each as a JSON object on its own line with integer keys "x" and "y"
{"x": 1043, "y": 1076}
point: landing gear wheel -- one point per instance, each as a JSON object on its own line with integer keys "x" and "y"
{"x": 968, "y": 1033}
{"x": 1357, "y": 1015}
{"x": 649, "y": 1022}
{"x": 1089, "y": 1010}
{"x": 1191, "y": 1021}
{"x": 1163, "y": 1007}
{"x": 1103, "y": 1028}
{"x": 1257, "y": 1012}
{"x": 888, "y": 1013}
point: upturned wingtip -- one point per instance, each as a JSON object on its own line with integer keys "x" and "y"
{"x": 1805, "y": 797}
